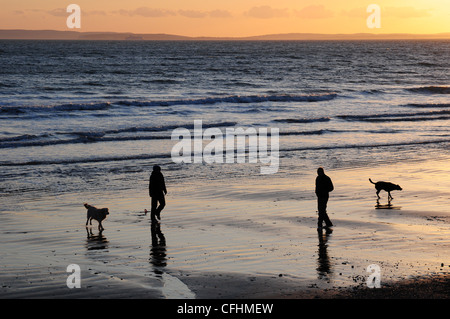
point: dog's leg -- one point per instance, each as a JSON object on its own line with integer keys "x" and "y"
{"x": 100, "y": 227}
{"x": 390, "y": 196}
{"x": 378, "y": 192}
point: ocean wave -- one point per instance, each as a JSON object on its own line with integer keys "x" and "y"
{"x": 373, "y": 91}
{"x": 15, "y": 110}
{"x": 12, "y": 110}
{"x": 168, "y": 156}
{"x": 361, "y": 146}
{"x": 408, "y": 119}
{"x": 315, "y": 132}
{"x": 330, "y": 131}
{"x": 428, "y": 105}
{"x": 162, "y": 81}
{"x": 24, "y": 137}
{"x": 238, "y": 99}
{"x": 83, "y": 107}
{"x": 431, "y": 90}
{"x": 162, "y": 128}
{"x": 95, "y": 137}
{"x": 397, "y": 117}
{"x": 428, "y": 64}
{"x": 303, "y": 120}
{"x": 85, "y": 160}
{"x": 85, "y": 137}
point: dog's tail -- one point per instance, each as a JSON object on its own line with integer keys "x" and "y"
{"x": 371, "y": 181}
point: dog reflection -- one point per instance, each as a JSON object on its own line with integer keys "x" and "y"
{"x": 96, "y": 242}
{"x": 158, "y": 249}
{"x": 386, "y": 206}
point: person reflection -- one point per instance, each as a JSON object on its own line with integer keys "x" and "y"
{"x": 158, "y": 249}
{"x": 95, "y": 242}
{"x": 323, "y": 261}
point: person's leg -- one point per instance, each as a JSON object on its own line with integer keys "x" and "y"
{"x": 153, "y": 209}
{"x": 327, "y": 220}
{"x": 322, "y": 208}
{"x": 162, "y": 204}
{"x": 319, "y": 221}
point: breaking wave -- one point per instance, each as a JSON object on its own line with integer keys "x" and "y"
{"x": 238, "y": 99}
{"x": 168, "y": 156}
{"x": 428, "y": 105}
{"x": 303, "y": 120}
{"x": 399, "y": 117}
{"x": 431, "y": 90}
{"x": 11, "y": 110}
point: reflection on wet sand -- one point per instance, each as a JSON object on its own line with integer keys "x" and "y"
{"x": 386, "y": 206}
{"x": 324, "y": 268}
{"x": 158, "y": 248}
{"x": 95, "y": 242}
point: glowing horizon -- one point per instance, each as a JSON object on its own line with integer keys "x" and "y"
{"x": 232, "y": 18}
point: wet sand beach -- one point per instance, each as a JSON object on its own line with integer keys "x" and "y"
{"x": 252, "y": 238}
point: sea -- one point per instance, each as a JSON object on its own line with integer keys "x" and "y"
{"x": 86, "y": 121}
{"x": 77, "y": 113}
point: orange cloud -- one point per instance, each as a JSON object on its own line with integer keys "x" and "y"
{"x": 220, "y": 14}
{"x": 266, "y": 12}
{"x": 314, "y": 12}
{"x": 147, "y": 12}
{"x": 159, "y": 13}
{"x": 405, "y": 12}
{"x": 394, "y": 12}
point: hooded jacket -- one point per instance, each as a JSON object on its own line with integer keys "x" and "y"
{"x": 324, "y": 185}
{"x": 157, "y": 186}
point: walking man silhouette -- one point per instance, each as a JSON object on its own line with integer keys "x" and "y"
{"x": 324, "y": 186}
{"x": 157, "y": 190}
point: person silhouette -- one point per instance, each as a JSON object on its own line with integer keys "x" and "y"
{"x": 157, "y": 190}
{"x": 324, "y": 186}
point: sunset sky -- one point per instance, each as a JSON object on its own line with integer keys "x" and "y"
{"x": 230, "y": 17}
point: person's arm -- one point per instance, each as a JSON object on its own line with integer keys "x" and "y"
{"x": 163, "y": 185}
{"x": 150, "y": 186}
{"x": 331, "y": 186}
{"x": 317, "y": 189}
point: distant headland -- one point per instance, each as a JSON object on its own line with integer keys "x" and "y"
{"x": 128, "y": 36}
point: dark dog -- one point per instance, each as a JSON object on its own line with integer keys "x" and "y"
{"x": 387, "y": 186}
{"x": 99, "y": 214}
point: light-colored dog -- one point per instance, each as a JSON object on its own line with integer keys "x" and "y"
{"x": 99, "y": 214}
